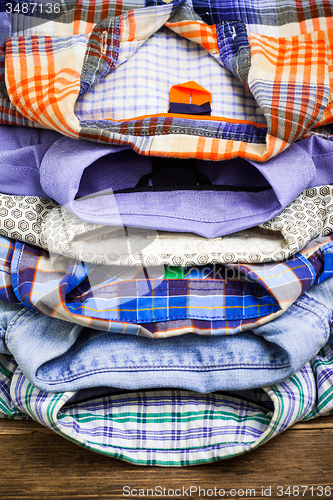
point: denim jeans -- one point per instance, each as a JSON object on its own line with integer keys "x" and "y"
{"x": 59, "y": 356}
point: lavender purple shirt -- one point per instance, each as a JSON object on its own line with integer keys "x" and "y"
{"x": 89, "y": 179}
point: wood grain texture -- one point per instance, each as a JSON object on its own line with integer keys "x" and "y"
{"x": 37, "y": 463}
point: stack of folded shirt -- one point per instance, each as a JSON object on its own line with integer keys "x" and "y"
{"x": 166, "y": 223}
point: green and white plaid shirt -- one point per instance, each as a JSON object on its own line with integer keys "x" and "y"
{"x": 172, "y": 427}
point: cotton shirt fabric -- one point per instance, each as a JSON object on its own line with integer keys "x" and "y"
{"x": 208, "y": 300}
{"x": 42, "y": 222}
{"x": 278, "y": 97}
{"x": 98, "y": 183}
{"x": 269, "y": 74}
{"x": 170, "y": 427}
{"x": 59, "y": 356}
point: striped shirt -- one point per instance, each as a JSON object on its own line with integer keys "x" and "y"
{"x": 172, "y": 427}
{"x": 105, "y": 71}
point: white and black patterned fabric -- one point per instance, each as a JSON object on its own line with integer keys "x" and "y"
{"x": 44, "y": 223}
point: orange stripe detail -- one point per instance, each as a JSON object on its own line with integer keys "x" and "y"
{"x": 77, "y": 17}
{"x": 187, "y": 23}
{"x": 215, "y": 149}
{"x": 229, "y": 150}
{"x": 206, "y": 34}
{"x": 327, "y": 117}
{"x": 119, "y": 8}
{"x": 51, "y": 87}
{"x": 200, "y": 153}
{"x": 206, "y": 155}
{"x": 289, "y": 113}
{"x": 242, "y": 149}
{"x": 23, "y": 71}
{"x": 132, "y": 26}
{"x": 24, "y": 85}
{"x": 27, "y": 93}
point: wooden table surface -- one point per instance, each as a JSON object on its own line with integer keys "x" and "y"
{"x": 37, "y": 463}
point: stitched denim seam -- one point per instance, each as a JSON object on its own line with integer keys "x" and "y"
{"x": 314, "y": 311}
{"x": 183, "y": 368}
{"x": 24, "y": 312}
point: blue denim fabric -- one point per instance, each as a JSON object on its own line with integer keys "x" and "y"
{"x": 59, "y": 356}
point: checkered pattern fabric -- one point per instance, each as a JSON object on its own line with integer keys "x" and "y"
{"x": 270, "y": 74}
{"x": 172, "y": 427}
{"x": 209, "y": 300}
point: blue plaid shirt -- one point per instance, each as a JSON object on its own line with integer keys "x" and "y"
{"x": 211, "y": 299}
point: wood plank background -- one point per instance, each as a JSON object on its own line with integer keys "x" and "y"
{"x": 37, "y": 463}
